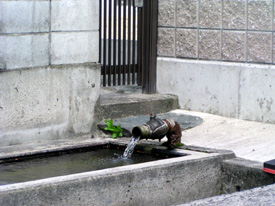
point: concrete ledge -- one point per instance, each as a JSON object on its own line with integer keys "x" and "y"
{"x": 237, "y": 90}
{"x": 118, "y": 105}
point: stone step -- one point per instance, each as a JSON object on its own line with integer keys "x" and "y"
{"x": 129, "y": 101}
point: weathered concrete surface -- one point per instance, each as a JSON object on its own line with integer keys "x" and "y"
{"x": 71, "y": 15}
{"x": 41, "y": 33}
{"x": 74, "y": 47}
{"x": 241, "y": 174}
{"x": 200, "y": 85}
{"x": 250, "y": 140}
{"x": 19, "y": 51}
{"x": 247, "y": 139}
{"x": 128, "y": 123}
{"x": 119, "y": 103}
{"x": 24, "y": 16}
{"x": 226, "y": 89}
{"x": 258, "y": 196}
{"x": 46, "y": 103}
{"x": 163, "y": 182}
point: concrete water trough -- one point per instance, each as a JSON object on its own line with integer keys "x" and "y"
{"x": 193, "y": 173}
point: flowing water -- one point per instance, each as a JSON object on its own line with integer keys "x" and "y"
{"x": 130, "y": 148}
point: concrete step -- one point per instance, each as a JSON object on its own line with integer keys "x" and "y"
{"x": 120, "y": 102}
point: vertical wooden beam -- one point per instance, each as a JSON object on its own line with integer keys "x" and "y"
{"x": 153, "y": 47}
{"x": 129, "y": 42}
{"x": 134, "y": 46}
{"x": 110, "y": 43}
{"x": 124, "y": 43}
{"x": 114, "y": 43}
{"x": 150, "y": 19}
{"x": 119, "y": 42}
{"x": 104, "y": 42}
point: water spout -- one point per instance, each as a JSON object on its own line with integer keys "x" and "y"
{"x": 159, "y": 128}
{"x": 155, "y": 129}
{"x": 131, "y": 146}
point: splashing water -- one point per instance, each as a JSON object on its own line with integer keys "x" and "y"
{"x": 130, "y": 148}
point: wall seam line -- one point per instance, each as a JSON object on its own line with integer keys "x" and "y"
{"x": 221, "y": 35}
{"x": 246, "y": 30}
{"x": 198, "y": 28}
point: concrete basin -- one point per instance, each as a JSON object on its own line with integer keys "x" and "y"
{"x": 198, "y": 174}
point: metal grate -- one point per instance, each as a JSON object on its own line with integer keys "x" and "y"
{"x": 119, "y": 41}
{"x": 128, "y": 30}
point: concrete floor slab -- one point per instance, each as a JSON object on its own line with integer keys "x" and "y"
{"x": 247, "y": 139}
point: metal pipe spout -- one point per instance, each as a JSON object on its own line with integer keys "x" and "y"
{"x": 157, "y": 129}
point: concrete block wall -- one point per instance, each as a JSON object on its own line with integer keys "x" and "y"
{"x": 219, "y": 56}
{"x": 44, "y": 32}
{"x": 230, "y": 30}
{"x": 49, "y": 70}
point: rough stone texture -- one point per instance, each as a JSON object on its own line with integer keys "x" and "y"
{"x": 233, "y": 47}
{"x": 74, "y": 47}
{"x": 200, "y": 85}
{"x": 258, "y": 196}
{"x": 127, "y": 124}
{"x": 166, "y": 42}
{"x": 259, "y": 47}
{"x": 71, "y": 15}
{"x": 47, "y": 103}
{"x": 211, "y": 17}
{"x": 234, "y": 14}
{"x": 209, "y": 44}
{"x": 257, "y": 97}
{"x": 210, "y": 13}
{"x": 24, "y": 16}
{"x": 186, "y": 43}
{"x": 187, "y": 13}
{"x": 163, "y": 182}
{"x": 166, "y": 13}
{"x": 260, "y": 15}
{"x": 19, "y": 51}
{"x": 241, "y": 174}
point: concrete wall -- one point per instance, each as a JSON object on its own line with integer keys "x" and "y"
{"x": 228, "y": 89}
{"x": 47, "y": 103}
{"x": 214, "y": 32}
{"x": 49, "y": 71}
{"x": 43, "y": 32}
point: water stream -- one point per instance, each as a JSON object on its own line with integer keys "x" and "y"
{"x": 130, "y": 148}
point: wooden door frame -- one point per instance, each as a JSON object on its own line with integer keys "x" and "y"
{"x": 149, "y": 46}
